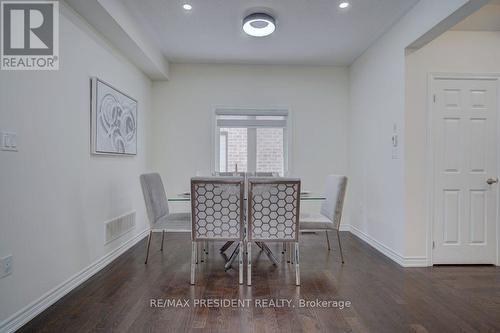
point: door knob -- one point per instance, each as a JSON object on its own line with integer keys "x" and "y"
{"x": 492, "y": 181}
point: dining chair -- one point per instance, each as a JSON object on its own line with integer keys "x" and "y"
{"x": 159, "y": 216}
{"x": 228, "y": 244}
{"x": 273, "y": 216}
{"x": 217, "y": 214}
{"x": 330, "y": 214}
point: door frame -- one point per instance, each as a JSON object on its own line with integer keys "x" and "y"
{"x": 430, "y": 181}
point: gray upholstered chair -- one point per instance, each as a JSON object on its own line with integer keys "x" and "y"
{"x": 330, "y": 214}
{"x": 160, "y": 219}
{"x": 217, "y": 214}
{"x": 273, "y": 216}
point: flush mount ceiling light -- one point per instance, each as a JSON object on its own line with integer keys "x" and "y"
{"x": 344, "y": 4}
{"x": 259, "y": 25}
{"x": 187, "y": 6}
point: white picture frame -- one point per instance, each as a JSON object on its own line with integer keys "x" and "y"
{"x": 113, "y": 120}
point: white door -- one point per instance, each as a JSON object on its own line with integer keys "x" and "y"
{"x": 465, "y": 160}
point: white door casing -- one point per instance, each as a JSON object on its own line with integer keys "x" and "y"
{"x": 464, "y": 140}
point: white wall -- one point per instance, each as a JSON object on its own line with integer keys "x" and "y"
{"x": 55, "y": 196}
{"x": 53, "y": 224}
{"x": 377, "y": 103}
{"x": 318, "y": 98}
{"x": 472, "y": 52}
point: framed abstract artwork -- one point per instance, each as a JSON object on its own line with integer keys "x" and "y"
{"x": 113, "y": 120}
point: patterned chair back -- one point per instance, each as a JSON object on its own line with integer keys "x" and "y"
{"x": 217, "y": 208}
{"x": 273, "y": 209}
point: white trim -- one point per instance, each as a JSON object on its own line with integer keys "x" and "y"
{"x": 220, "y": 111}
{"x": 430, "y": 152}
{"x": 23, "y": 316}
{"x": 429, "y": 182}
{"x": 289, "y": 143}
{"x": 344, "y": 227}
{"x": 247, "y": 123}
{"x": 384, "y": 249}
{"x": 215, "y": 140}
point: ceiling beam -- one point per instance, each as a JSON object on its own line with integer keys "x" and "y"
{"x": 114, "y": 21}
{"x": 467, "y": 9}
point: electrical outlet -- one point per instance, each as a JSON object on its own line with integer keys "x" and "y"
{"x": 8, "y": 141}
{"x": 6, "y": 265}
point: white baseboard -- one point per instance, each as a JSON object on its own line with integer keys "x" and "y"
{"x": 385, "y": 250}
{"x": 345, "y": 227}
{"x": 24, "y": 315}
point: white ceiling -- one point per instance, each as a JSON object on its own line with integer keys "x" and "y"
{"x": 314, "y": 32}
{"x": 485, "y": 19}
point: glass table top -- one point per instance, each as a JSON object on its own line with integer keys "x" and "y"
{"x": 303, "y": 197}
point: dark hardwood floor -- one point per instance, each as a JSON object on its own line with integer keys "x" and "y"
{"x": 384, "y": 297}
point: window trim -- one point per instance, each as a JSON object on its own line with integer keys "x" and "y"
{"x": 225, "y": 135}
{"x": 254, "y": 111}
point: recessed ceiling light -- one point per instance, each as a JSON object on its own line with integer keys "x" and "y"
{"x": 187, "y": 6}
{"x": 259, "y": 25}
{"x": 344, "y": 4}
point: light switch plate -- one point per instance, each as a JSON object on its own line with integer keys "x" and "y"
{"x": 6, "y": 265}
{"x": 8, "y": 141}
{"x": 395, "y": 155}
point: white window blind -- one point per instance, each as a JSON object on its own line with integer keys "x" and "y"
{"x": 251, "y": 118}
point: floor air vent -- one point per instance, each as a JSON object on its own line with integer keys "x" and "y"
{"x": 119, "y": 226}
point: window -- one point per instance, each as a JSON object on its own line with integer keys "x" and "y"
{"x": 233, "y": 149}
{"x": 251, "y": 140}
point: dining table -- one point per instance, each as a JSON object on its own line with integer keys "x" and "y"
{"x": 305, "y": 196}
